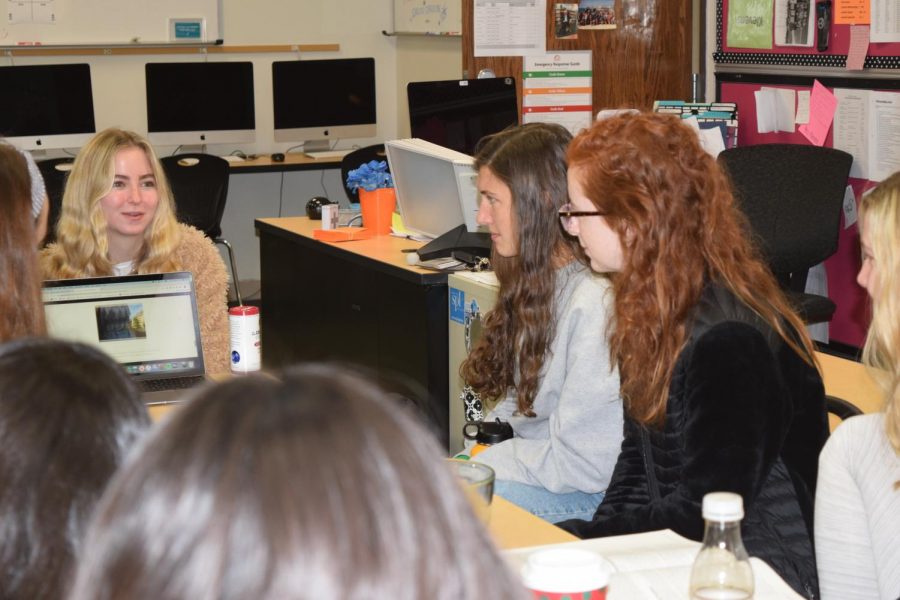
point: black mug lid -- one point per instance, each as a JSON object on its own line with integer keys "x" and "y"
{"x": 493, "y": 432}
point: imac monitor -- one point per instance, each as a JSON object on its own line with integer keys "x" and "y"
{"x": 320, "y": 100}
{"x": 46, "y": 106}
{"x": 456, "y": 114}
{"x": 200, "y": 103}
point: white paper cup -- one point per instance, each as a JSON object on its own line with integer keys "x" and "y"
{"x": 558, "y": 573}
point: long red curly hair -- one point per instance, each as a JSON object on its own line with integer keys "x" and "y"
{"x": 673, "y": 208}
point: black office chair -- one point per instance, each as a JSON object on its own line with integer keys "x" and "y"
{"x": 55, "y": 171}
{"x": 792, "y": 196}
{"x": 353, "y": 160}
{"x": 841, "y": 408}
{"x": 200, "y": 189}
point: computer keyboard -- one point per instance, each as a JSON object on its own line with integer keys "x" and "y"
{"x": 325, "y": 154}
{"x": 174, "y": 383}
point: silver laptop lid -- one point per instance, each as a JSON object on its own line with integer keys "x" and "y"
{"x": 147, "y": 323}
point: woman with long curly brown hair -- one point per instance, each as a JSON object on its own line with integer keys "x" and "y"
{"x": 21, "y": 310}
{"x": 543, "y": 353}
{"x": 718, "y": 375}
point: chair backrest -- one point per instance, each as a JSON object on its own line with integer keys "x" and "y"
{"x": 792, "y": 195}
{"x": 353, "y": 160}
{"x": 199, "y": 185}
{"x": 55, "y": 184}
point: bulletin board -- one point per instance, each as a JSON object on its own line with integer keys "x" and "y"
{"x": 103, "y": 22}
{"x": 849, "y": 324}
{"x": 879, "y": 56}
{"x": 437, "y": 17}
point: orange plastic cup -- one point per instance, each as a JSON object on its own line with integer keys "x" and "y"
{"x": 377, "y": 209}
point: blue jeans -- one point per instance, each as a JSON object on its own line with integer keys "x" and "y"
{"x": 548, "y": 505}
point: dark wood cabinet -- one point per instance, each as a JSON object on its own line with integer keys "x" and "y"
{"x": 346, "y": 303}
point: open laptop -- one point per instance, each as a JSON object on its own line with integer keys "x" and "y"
{"x": 147, "y": 323}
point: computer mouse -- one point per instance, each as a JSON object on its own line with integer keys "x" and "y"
{"x": 277, "y": 157}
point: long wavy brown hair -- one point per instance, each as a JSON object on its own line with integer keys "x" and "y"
{"x": 531, "y": 161}
{"x": 21, "y": 309}
{"x": 673, "y": 208}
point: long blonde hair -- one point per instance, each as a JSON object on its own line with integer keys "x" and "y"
{"x": 880, "y": 215}
{"x": 82, "y": 247}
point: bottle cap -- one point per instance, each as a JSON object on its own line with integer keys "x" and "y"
{"x": 723, "y": 506}
{"x": 242, "y": 311}
{"x": 493, "y": 432}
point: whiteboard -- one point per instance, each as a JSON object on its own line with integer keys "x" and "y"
{"x": 102, "y": 22}
{"x": 428, "y": 16}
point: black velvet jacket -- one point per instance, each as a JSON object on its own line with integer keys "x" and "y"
{"x": 745, "y": 414}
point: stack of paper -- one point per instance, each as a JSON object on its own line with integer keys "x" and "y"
{"x": 656, "y": 565}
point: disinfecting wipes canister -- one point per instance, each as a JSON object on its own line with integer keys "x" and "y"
{"x": 246, "y": 348}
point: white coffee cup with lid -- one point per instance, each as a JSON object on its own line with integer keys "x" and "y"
{"x": 555, "y": 573}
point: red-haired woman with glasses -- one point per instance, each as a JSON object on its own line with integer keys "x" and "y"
{"x": 718, "y": 378}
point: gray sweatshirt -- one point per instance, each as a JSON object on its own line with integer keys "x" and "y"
{"x": 573, "y": 442}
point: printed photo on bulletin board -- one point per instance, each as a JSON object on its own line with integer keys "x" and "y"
{"x": 808, "y": 33}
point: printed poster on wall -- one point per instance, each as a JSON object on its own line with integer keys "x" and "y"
{"x": 749, "y": 24}
{"x": 556, "y": 88}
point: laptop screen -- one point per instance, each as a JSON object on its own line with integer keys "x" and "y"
{"x": 147, "y": 323}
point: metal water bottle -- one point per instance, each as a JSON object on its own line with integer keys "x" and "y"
{"x": 722, "y": 568}
{"x": 246, "y": 348}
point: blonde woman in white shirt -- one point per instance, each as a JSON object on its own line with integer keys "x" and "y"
{"x": 857, "y": 519}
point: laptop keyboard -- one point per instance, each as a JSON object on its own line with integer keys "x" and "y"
{"x": 174, "y": 383}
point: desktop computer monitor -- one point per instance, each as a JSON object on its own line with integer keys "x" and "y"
{"x": 200, "y": 103}
{"x": 437, "y": 197}
{"x": 457, "y": 113}
{"x": 46, "y": 106}
{"x": 315, "y": 101}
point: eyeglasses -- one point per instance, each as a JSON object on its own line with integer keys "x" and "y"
{"x": 567, "y": 216}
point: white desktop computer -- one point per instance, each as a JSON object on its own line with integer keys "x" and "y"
{"x": 437, "y": 197}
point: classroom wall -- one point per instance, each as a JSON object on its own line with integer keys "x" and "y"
{"x": 424, "y": 58}
{"x": 354, "y": 24}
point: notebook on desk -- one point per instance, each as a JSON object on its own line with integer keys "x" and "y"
{"x": 146, "y": 323}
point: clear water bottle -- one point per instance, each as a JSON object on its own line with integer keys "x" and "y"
{"x": 722, "y": 567}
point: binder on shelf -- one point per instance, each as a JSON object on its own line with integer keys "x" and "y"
{"x": 708, "y": 114}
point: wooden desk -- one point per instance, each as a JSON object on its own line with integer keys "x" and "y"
{"x": 514, "y": 527}
{"x": 295, "y": 161}
{"x": 357, "y": 302}
{"x": 851, "y": 381}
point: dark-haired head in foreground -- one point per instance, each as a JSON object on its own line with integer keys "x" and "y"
{"x": 68, "y": 415}
{"x": 310, "y": 485}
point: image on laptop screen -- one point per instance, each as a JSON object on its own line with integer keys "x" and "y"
{"x": 147, "y": 323}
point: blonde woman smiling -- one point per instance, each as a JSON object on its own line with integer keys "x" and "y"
{"x": 118, "y": 218}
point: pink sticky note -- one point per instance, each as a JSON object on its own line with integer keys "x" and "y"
{"x": 859, "y": 47}
{"x": 822, "y": 105}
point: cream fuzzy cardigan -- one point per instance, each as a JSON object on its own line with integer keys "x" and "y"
{"x": 195, "y": 253}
